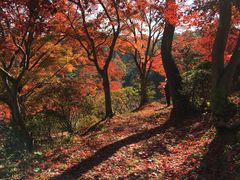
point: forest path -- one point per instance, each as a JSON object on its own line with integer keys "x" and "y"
{"x": 138, "y": 145}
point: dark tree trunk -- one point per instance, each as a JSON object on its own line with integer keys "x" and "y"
{"x": 143, "y": 91}
{"x": 181, "y": 104}
{"x": 15, "y": 103}
{"x": 107, "y": 95}
{"x": 236, "y": 79}
{"x": 222, "y": 75}
{"x": 18, "y": 124}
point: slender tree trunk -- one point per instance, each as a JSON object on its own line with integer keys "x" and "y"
{"x": 107, "y": 95}
{"x": 181, "y": 104}
{"x": 143, "y": 91}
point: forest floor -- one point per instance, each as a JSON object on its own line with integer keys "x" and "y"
{"x": 141, "y": 145}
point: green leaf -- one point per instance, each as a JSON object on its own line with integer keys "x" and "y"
{"x": 38, "y": 153}
{"x": 37, "y": 169}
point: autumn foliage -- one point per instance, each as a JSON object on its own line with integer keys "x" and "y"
{"x": 79, "y": 81}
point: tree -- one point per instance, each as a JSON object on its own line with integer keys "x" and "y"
{"x": 141, "y": 40}
{"x": 27, "y": 42}
{"x": 181, "y": 104}
{"x": 222, "y": 73}
{"x": 97, "y": 35}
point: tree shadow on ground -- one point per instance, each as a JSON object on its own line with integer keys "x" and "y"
{"x": 187, "y": 130}
{"x": 218, "y": 163}
{"x": 106, "y": 152}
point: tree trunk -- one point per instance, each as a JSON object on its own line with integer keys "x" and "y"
{"x": 107, "y": 95}
{"x": 18, "y": 123}
{"x": 181, "y": 104}
{"x": 236, "y": 80}
{"x": 15, "y": 103}
{"x": 143, "y": 92}
{"x": 222, "y": 75}
{"x": 221, "y": 109}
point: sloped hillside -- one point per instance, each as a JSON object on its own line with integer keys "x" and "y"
{"x": 141, "y": 145}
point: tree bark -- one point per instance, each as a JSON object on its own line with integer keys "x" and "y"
{"x": 223, "y": 75}
{"x": 107, "y": 95}
{"x": 15, "y": 103}
{"x": 236, "y": 80}
{"x": 219, "y": 93}
{"x": 18, "y": 122}
{"x": 181, "y": 104}
{"x": 143, "y": 91}
{"x": 221, "y": 40}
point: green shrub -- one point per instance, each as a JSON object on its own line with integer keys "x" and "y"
{"x": 47, "y": 122}
{"x": 42, "y": 126}
{"x": 123, "y": 100}
{"x": 197, "y": 85}
{"x": 62, "y": 106}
